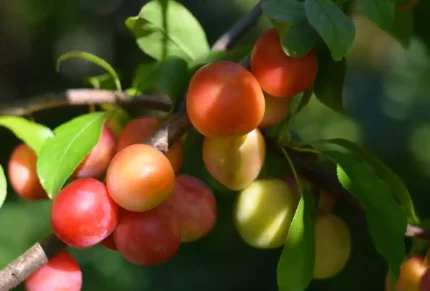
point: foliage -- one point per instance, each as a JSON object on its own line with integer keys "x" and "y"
{"x": 177, "y": 46}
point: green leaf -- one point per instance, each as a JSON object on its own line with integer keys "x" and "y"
{"x": 93, "y": 59}
{"x": 381, "y": 12}
{"x": 32, "y": 134}
{"x": 3, "y": 186}
{"x": 142, "y": 72}
{"x": 296, "y": 264}
{"x": 296, "y": 39}
{"x": 169, "y": 76}
{"x": 284, "y": 10}
{"x": 117, "y": 120}
{"x": 299, "y": 102}
{"x": 403, "y": 27}
{"x": 104, "y": 81}
{"x": 167, "y": 28}
{"x": 61, "y": 154}
{"x": 396, "y": 186}
{"x": 235, "y": 54}
{"x": 328, "y": 86}
{"x": 386, "y": 220}
{"x": 332, "y": 24}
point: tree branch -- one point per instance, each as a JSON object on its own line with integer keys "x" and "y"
{"x": 39, "y": 254}
{"x": 328, "y": 181}
{"x": 231, "y": 37}
{"x": 29, "y": 262}
{"x": 80, "y": 97}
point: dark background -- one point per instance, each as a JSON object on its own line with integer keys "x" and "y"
{"x": 387, "y": 95}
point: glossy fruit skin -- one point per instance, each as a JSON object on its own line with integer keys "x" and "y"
{"x": 22, "y": 174}
{"x": 276, "y": 110}
{"x": 411, "y": 272}
{"x": 83, "y": 214}
{"x": 278, "y": 74}
{"x": 148, "y": 238}
{"x": 425, "y": 281}
{"x": 263, "y": 213}
{"x": 195, "y": 207}
{"x": 96, "y": 162}
{"x": 138, "y": 130}
{"x": 61, "y": 273}
{"x": 140, "y": 178}
{"x": 235, "y": 162}
{"x": 224, "y": 99}
{"x": 332, "y": 246}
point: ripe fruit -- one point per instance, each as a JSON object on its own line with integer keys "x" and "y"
{"x": 195, "y": 208}
{"x": 83, "y": 214}
{"x": 276, "y": 110}
{"x": 425, "y": 281}
{"x": 235, "y": 162}
{"x": 140, "y": 178}
{"x": 148, "y": 238}
{"x": 224, "y": 99}
{"x": 263, "y": 213}
{"x": 62, "y": 272}
{"x": 138, "y": 130}
{"x": 22, "y": 173}
{"x": 278, "y": 74}
{"x": 332, "y": 246}
{"x": 96, "y": 162}
{"x": 109, "y": 243}
{"x": 176, "y": 155}
{"x": 411, "y": 272}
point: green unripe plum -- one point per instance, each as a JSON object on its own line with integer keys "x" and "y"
{"x": 263, "y": 213}
{"x": 235, "y": 162}
{"x": 332, "y": 246}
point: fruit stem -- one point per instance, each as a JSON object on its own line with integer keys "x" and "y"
{"x": 326, "y": 202}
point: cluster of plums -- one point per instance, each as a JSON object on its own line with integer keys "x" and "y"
{"x": 145, "y": 208}
{"x": 263, "y": 213}
{"x": 230, "y": 105}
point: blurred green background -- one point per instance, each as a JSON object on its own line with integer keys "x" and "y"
{"x": 387, "y": 94}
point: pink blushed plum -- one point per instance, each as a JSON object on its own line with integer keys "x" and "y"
{"x": 194, "y": 206}
{"x": 61, "y": 273}
{"x": 147, "y": 238}
{"x": 83, "y": 214}
{"x": 97, "y": 161}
